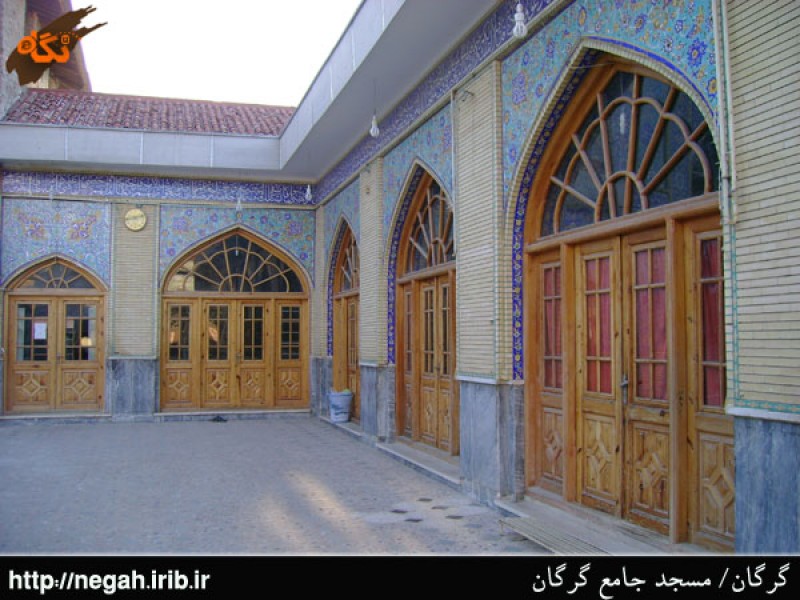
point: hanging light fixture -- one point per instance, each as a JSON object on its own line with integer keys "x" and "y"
{"x": 520, "y": 28}
{"x": 374, "y": 130}
{"x": 309, "y": 195}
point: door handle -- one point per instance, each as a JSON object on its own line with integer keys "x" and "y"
{"x": 623, "y": 384}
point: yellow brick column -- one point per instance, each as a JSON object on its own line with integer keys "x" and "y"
{"x": 490, "y": 407}
{"x": 133, "y": 316}
{"x": 377, "y": 378}
{"x": 478, "y": 203}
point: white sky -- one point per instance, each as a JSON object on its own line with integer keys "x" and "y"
{"x": 251, "y": 51}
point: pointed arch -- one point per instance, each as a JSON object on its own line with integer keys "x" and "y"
{"x": 55, "y": 336}
{"x": 55, "y": 271}
{"x": 236, "y": 260}
{"x": 417, "y": 179}
{"x": 344, "y": 231}
{"x": 590, "y": 54}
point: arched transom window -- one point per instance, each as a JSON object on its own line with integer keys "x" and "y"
{"x": 348, "y": 264}
{"x": 56, "y": 275}
{"x": 644, "y": 144}
{"x": 234, "y": 264}
{"x": 430, "y": 242}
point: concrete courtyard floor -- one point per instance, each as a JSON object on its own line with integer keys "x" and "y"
{"x": 275, "y": 486}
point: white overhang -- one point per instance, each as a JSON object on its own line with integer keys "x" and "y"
{"x": 385, "y": 51}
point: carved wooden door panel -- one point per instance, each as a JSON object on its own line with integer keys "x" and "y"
{"x": 252, "y": 352}
{"x": 78, "y": 358}
{"x": 56, "y": 355}
{"x": 623, "y": 358}
{"x": 438, "y": 412}
{"x": 408, "y": 358}
{"x": 32, "y": 356}
{"x": 711, "y": 456}
{"x": 180, "y": 355}
{"x": 599, "y": 370}
{"x": 353, "y": 369}
{"x": 291, "y": 336}
{"x": 218, "y": 338}
{"x": 647, "y": 397}
{"x": 447, "y": 414}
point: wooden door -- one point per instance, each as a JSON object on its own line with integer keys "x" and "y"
{"x": 180, "y": 355}
{"x": 407, "y": 363}
{"x": 252, "y": 353}
{"x": 79, "y": 364}
{"x": 436, "y": 400}
{"x": 711, "y": 451}
{"x": 647, "y": 397}
{"x": 289, "y": 368}
{"x": 56, "y": 358}
{"x": 623, "y": 396}
{"x": 32, "y": 375}
{"x": 599, "y": 369}
{"x": 351, "y": 348}
{"x": 219, "y": 341}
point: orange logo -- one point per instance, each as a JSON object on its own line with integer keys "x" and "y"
{"x": 35, "y": 53}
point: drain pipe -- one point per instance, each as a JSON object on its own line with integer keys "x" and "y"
{"x": 727, "y": 199}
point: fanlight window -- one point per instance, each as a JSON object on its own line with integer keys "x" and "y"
{"x": 56, "y": 276}
{"x": 644, "y": 144}
{"x": 349, "y": 265}
{"x": 431, "y": 239}
{"x": 234, "y": 264}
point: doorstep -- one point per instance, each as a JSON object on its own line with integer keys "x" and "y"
{"x": 230, "y": 415}
{"x": 56, "y": 418}
{"x": 434, "y": 463}
{"x": 573, "y": 529}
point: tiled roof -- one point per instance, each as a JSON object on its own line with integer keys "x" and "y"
{"x": 84, "y": 109}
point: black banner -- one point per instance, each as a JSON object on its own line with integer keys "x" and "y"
{"x": 530, "y": 577}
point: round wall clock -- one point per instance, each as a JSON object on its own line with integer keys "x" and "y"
{"x": 135, "y": 219}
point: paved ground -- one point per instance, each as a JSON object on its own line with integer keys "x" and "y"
{"x": 274, "y": 486}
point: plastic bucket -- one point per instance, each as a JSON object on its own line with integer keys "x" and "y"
{"x": 340, "y": 406}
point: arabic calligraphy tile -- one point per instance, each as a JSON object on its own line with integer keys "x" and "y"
{"x": 16, "y": 182}
{"x": 67, "y": 184}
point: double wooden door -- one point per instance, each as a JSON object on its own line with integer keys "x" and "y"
{"x": 622, "y": 364}
{"x": 221, "y": 353}
{"x": 346, "y": 362}
{"x": 429, "y": 410}
{"x": 55, "y": 358}
{"x": 640, "y": 357}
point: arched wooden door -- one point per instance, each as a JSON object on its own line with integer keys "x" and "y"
{"x": 234, "y": 329}
{"x": 346, "y": 370}
{"x": 428, "y": 409}
{"x": 625, "y": 318}
{"x": 55, "y": 339}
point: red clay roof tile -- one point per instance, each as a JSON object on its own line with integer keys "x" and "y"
{"x": 85, "y": 109}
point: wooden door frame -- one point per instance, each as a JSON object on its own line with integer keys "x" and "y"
{"x": 274, "y": 299}
{"x": 414, "y": 279}
{"x": 341, "y": 298}
{"x": 57, "y": 297}
{"x": 676, "y": 219}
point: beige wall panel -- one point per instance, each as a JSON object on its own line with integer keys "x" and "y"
{"x": 134, "y": 292}
{"x": 477, "y": 217}
{"x": 373, "y": 271}
{"x": 766, "y": 104}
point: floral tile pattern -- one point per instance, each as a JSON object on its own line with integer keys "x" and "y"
{"x": 185, "y": 226}
{"x": 476, "y": 47}
{"x": 124, "y": 186}
{"x": 345, "y": 205}
{"x": 35, "y": 229}
{"x": 676, "y": 34}
{"x": 430, "y": 145}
